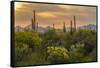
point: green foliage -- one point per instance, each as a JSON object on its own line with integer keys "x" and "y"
{"x": 54, "y": 46}
{"x": 32, "y": 58}
{"x": 91, "y": 56}
{"x": 68, "y": 40}
{"x": 77, "y": 52}
{"x": 86, "y": 37}
{"x": 81, "y": 36}
{"x": 20, "y": 50}
{"x": 57, "y": 54}
{"x": 27, "y": 44}
{"x": 28, "y": 37}
{"x": 53, "y": 37}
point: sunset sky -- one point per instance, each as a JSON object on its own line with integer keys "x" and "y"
{"x": 48, "y": 14}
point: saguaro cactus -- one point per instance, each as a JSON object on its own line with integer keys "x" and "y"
{"x": 32, "y": 23}
{"x": 71, "y": 28}
{"x": 74, "y": 23}
{"x": 34, "y": 20}
{"x": 37, "y": 26}
{"x": 53, "y": 26}
{"x": 64, "y": 27}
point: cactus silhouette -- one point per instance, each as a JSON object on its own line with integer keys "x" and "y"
{"x": 34, "y": 20}
{"x": 32, "y": 23}
{"x": 37, "y": 26}
{"x": 71, "y": 28}
{"x": 64, "y": 27}
{"x": 74, "y": 23}
{"x": 53, "y": 26}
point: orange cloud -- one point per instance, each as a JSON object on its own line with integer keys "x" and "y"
{"x": 17, "y": 5}
{"x": 46, "y": 14}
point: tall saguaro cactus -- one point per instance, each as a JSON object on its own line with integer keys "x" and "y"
{"x": 32, "y": 23}
{"x": 37, "y": 26}
{"x": 53, "y": 26}
{"x": 71, "y": 28}
{"x": 34, "y": 20}
{"x": 74, "y": 23}
{"x": 64, "y": 27}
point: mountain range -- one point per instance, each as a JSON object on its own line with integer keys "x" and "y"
{"x": 89, "y": 26}
{"x": 42, "y": 30}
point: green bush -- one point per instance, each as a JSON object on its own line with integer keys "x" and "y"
{"x": 28, "y": 37}
{"x": 57, "y": 54}
{"x": 54, "y": 46}
{"x": 20, "y": 51}
{"x": 77, "y": 52}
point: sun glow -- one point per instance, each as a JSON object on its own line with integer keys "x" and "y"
{"x": 46, "y": 14}
{"x": 17, "y": 5}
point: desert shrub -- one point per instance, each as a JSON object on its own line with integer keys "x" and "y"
{"x": 52, "y": 37}
{"x": 32, "y": 59}
{"x": 28, "y": 37}
{"x": 77, "y": 52}
{"x": 91, "y": 57}
{"x": 57, "y": 54}
{"x": 54, "y": 46}
{"x": 86, "y": 37}
{"x": 27, "y": 44}
{"x": 81, "y": 36}
{"x": 21, "y": 50}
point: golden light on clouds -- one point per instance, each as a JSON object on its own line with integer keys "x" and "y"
{"x": 65, "y": 6}
{"x": 48, "y": 14}
{"x": 18, "y": 5}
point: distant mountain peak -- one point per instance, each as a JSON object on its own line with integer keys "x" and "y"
{"x": 89, "y": 26}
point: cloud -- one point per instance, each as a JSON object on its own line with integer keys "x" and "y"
{"x": 48, "y": 14}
